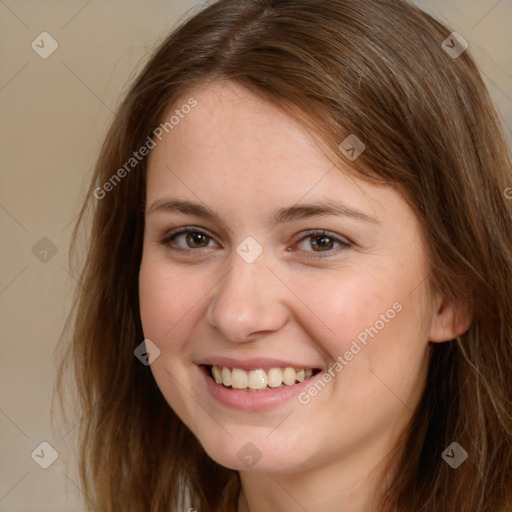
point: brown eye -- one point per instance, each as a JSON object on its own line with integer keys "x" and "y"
{"x": 196, "y": 239}
{"x": 322, "y": 242}
{"x": 184, "y": 239}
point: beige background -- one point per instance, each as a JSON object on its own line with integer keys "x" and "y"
{"x": 55, "y": 112}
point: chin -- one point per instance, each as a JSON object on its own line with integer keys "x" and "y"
{"x": 242, "y": 454}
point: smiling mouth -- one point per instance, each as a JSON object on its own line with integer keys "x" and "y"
{"x": 259, "y": 379}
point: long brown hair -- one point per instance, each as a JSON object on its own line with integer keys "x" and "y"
{"x": 373, "y": 68}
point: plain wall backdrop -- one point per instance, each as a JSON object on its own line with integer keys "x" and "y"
{"x": 55, "y": 113}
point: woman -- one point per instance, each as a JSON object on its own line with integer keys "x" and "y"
{"x": 297, "y": 288}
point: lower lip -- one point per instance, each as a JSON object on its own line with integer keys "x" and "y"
{"x": 253, "y": 400}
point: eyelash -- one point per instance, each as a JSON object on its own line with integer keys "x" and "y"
{"x": 343, "y": 244}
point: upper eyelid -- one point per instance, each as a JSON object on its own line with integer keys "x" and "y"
{"x": 188, "y": 229}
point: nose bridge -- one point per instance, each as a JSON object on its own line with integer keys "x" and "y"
{"x": 247, "y": 300}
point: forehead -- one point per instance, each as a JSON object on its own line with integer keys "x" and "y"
{"x": 231, "y": 129}
{"x": 235, "y": 146}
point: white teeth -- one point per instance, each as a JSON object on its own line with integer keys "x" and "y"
{"x": 238, "y": 378}
{"x": 216, "y": 375}
{"x": 259, "y": 379}
{"x": 274, "y": 377}
{"x": 226, "y": 376}
{"x": 289, "y": 376}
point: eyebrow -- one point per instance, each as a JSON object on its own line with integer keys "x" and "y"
{"x": 282, "y": 215}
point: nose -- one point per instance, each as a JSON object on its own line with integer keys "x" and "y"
{"x": 248, "y": 302}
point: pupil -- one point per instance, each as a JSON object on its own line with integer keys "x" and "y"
{"x": 326, "y": 242}
{"x": 195, "y": 239}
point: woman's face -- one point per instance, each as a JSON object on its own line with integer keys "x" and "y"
{"x": 256, "y": 286}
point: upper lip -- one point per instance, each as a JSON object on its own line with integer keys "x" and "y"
{"x": 254, "y": 363}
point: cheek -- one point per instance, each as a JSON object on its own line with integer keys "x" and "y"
{"x": 381, "y": 334}
{"x": 157, "y": 311}
{"x": 339, "y": 307}
{"x": 169, "y": 305}
{"x": 167, "y": 302}
{"x": 371, "y": 319}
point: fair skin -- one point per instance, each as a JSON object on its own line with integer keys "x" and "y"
{"x": 244, "y": 158}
